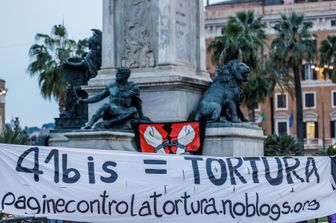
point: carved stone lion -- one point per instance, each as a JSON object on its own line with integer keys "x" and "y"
{"x": 221, "y": 101}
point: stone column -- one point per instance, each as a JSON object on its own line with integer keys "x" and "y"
{"x": 162, "y": 42}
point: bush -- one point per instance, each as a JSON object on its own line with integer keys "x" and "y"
{"x": 281, "y": 145}
{"x": 10, "y": 136}
{"x": 331, "y": 151}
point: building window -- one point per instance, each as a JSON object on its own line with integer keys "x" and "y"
{"x": 310, "y": 132}
{"x": 308, "y": 73}
{"x": 333, "y": 99}
{"x": 282, "y": 128}
{"x": 332, "y": 129}
{"x": 281, "y": 101}
{"x": 281, "y": 124}
{"x": 309, "y": 100}
{"x": 333, "y": 23}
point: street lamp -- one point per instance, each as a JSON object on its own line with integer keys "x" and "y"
{"x": 3, "y": 91}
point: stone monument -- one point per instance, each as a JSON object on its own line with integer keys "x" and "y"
{"x": 162, "y": 42}
{"x": 77, "y": 72}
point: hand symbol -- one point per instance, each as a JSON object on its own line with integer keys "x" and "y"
{"x": 154, "y": 138}
{"x": 185, "y": 137}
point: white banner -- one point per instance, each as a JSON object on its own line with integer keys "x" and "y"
{"x": 113, "y": 186}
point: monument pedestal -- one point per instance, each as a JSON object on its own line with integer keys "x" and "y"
{"x": 234, "y": 140}
{"x": 162, "y": 42}
{"x": 167, "y": 95}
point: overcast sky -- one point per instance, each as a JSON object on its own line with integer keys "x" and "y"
{"x": 20, "y": 20}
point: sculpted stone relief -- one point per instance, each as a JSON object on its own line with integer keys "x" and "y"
{"x": 138, "y": 35}
{"x": 183, "y": 30}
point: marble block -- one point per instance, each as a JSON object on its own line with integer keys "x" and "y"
{"x": 241, "y": 140}
{"x": 234, "y": 141}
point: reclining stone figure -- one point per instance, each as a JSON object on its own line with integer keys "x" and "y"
{"x": 124, "y": 104}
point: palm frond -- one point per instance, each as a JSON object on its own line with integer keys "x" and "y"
{"x": 47, "y": 56}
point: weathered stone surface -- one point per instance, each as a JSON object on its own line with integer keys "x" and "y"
{"x": 153, "y": 33}
{"x": 102, "y": 140}
{"x": 138, "y": 32}
{"x": 166, "y": 98}
{"x": 163, "y": 44}
{"x": 235, "y": 140}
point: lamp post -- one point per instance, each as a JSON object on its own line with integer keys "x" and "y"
{"x": 322, "y": 107}
{"x": 323, "y": 130}
{"x": 3, "y": 92}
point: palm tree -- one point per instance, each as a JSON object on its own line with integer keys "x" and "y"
{"x": 226, "y": 47}
{"x": 292, "y": 45}
{"x": 262, "y": 83}
{"x": 252, "y": 40}
{"x": 47, "y": 56}
{"x": 328, "y": 56}
{"x": 278, "y": 77}
{"x": 243, "y": 37}
{"x": 258, "y": 88}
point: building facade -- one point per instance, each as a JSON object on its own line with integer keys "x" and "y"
{"x": 319, "y": 93}
{"x": 3, "y": 92}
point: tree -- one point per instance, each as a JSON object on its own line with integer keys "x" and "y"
{"x": 47, "y": 55}
{"x": 278, "y": 77}
{"x": 243, "y": 37}
{"x": 292, "y": 45}
{"x": 259, "y": 86}
{"x": 328, "y": 57}
{"x": 283, "y": 145}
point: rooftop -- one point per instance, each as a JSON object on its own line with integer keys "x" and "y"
{"x": 230, "y": 8}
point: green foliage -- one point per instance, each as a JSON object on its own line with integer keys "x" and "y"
{"x": 281, "y": 145}
{"x": 243, "y": 37}
{"x": 328, "y": 51}
{"x": 328, "y": 57}
{"x": 256, "y": 90}
{"x": 47, "y": 56}
{"x": 259, "y": 86}
{"x": 293, "y": 42}
{"x": 10, "y": 136}
{"x": 330, "y": 151}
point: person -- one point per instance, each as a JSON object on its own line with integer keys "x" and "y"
{"x": 124, "y": 102}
